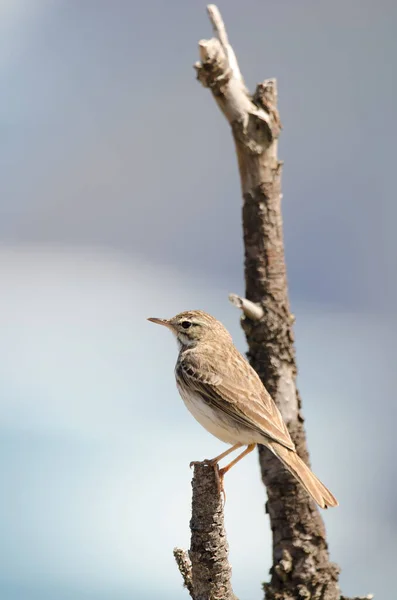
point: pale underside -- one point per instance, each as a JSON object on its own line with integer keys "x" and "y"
{"x": 228, "y": 399}
{"x": 219, "y": 424}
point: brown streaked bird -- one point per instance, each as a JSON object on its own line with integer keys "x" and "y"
{"x": 226, "y": 396}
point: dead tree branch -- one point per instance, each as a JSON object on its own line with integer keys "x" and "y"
{"x": 205, "y": 570}
{"x": 301, "y": 566}
{"x": 250, "y": 309}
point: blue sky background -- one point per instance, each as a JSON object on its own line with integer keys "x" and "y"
{"x": 119, "y": 199}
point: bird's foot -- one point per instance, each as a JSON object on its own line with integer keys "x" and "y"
{"x": 219, "y": 473}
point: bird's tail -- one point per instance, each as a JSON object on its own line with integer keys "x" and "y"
{"x": 303, "y": 474}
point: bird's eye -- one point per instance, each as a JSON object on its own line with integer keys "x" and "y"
{"x": 186, "y": 324}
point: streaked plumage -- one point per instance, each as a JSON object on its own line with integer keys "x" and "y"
{"x": 226, "y": 396}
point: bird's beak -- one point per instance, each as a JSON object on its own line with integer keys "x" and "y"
{"x": 164, "y": 322}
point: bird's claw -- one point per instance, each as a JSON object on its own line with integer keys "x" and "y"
{"x": 219, "y": 474}
{"x": 219, "y": 483}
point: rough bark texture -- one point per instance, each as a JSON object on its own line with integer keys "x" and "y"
{"x": 205, "y": 569}
{"x": 301, "y": 567}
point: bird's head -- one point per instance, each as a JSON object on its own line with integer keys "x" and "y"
{"x": 193, "y": 327}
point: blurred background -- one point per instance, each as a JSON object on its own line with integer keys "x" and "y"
{"x": 119, "y": 200}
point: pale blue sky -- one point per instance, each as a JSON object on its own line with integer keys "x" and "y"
{"x": 119, "y": 199}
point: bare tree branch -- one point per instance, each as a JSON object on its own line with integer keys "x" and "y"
{"x": 220, "y": 31}
{"x": 300, "y": 554}
{"x": 301, "y": 566}
{"x": 206, "y": 571}
{"x": 250, "y": 309}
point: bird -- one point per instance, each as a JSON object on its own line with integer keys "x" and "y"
{"x": 226, "y": 396}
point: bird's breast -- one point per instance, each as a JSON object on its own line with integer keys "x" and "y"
{"x": 212, "y": 419}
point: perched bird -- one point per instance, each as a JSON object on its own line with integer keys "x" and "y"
{"x": 225, "y": 395}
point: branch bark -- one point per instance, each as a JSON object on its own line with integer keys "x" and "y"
{"x": 301, "y": 566}
{"x": 205, "y": 569}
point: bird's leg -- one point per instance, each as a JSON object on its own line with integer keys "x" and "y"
{"x": 222, "y": 472}
{"x": 214, "y": 461}
{"x": 248, "y": 449}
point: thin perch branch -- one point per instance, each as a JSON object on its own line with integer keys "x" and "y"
{"x": 218, "y": 25}
{"x": 206, "y": 571}
{"x": 220, "y": 30}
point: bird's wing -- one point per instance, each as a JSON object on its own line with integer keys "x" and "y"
{"x": 241, "y": 395}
